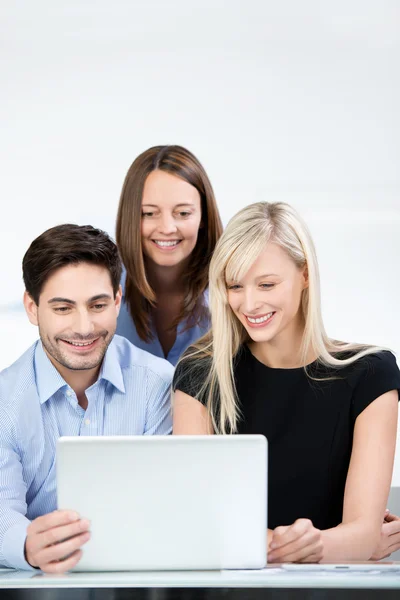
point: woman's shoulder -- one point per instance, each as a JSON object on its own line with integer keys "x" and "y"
{"x": 191, "y": 371}
{"x": 371, "y": 376}
{"x": 379, "y": 364}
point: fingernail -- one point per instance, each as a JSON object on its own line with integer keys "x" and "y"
{"x": 85, "y": 524}
{"x": 272, "y": 545}
{"x": 73, "y": 516}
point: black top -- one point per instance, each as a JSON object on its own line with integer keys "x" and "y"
{"x": 308, "y": 424}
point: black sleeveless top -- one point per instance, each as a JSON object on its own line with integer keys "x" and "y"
{"x": 308, "y": 424}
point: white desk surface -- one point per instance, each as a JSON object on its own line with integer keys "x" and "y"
{"x": 272, "y": 577}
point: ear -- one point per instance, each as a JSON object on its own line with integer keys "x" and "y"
{"x": 31, "y": 309}
{"x": 305, "y": 277}
{"x": 118, "y": 299}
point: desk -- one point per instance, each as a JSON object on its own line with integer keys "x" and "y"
{"x": 271, "y": 583}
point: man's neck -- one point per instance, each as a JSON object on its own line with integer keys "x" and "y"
{"x": 78, "y": 380}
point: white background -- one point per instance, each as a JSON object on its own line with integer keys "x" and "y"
{"x": 288, "y": 100}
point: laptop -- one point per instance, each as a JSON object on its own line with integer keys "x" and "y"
{"x": 167, "y": 502}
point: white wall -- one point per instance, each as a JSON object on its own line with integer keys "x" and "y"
{"x": 294, "y": 101}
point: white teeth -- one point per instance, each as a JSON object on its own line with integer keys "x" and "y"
{"x": 163, "y": 243}
{"x": 260, "y": 319}
{"x": 77, "y": 344}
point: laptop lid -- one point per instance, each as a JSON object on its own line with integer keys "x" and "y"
{"x": 167, "y": 502}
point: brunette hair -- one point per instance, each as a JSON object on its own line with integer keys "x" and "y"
{"x": 64, "y": 245}
{"x": 139, "y": 295}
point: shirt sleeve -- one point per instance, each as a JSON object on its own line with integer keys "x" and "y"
{"x": 376, "y": 375}
{"x": 158, "y": 415}
{"x": 13, "y": 522}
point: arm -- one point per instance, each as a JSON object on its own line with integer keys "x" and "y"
{"x": 368, "y": 482}
{"x": 158, "y": 414}
{"x": 190, "y": 417}
{"x": 44, "y": 542}
{"x": 13, "y": 522}
{"x": 366, "y": 492}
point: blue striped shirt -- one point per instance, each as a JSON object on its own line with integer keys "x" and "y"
{"x": 185, "y": 336}
{"x": 130, "y": 397}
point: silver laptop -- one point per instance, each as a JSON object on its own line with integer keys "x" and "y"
{"x": 167, "y": 502}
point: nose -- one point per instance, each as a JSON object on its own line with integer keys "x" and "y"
{"x": 251, "y": 302}
{"x": 167, "y": 224}
{"x": 83, "y": 324}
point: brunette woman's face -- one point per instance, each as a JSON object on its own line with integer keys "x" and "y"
{"x": 171, "y": 218}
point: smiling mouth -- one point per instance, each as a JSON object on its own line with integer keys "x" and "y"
{"x": 166, "y": 243}
{"x": 261, "y": 320}
{"x": 81, "y": 345}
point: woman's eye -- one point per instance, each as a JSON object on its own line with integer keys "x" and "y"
{"x": 234, "y": 286}
{"x": 184, "y": 214}
{"x": 147, "y": 214}
{"x": 266, "y": 286}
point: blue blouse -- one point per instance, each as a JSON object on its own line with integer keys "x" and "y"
{"x": 184, "y": 337}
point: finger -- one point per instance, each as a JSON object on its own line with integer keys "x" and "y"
{"x": 305, "y": 541}
{"x": 304, "y": 553}
{"x": 62, "y": 550}
{"x": 292, "y": 533}
{"x": 58, "y": 534}
{"x": 63, "y": 566}
{"x": 394, "y": 547}
{"x": 391, "y": 528}
{"x": 55, "y": 535}
{"x": 54, "y": 519}
{"x": 390, "y": 517}
{"x": 313, "y": 558}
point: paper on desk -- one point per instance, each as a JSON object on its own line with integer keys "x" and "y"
{"x": 240, "y": 572}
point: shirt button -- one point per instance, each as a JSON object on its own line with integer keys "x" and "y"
{"x": 69, "y": 393}
{"x": 87, "y": 421}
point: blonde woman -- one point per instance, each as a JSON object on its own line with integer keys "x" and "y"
{"x": 327, "y": 408}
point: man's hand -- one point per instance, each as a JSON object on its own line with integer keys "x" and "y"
{"x": 300, "y": 542}
{"x": 390, "y": 537}
{"x": 53, "y": 541}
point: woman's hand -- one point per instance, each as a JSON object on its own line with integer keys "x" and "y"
{"x": 299, "y": 542}
{"x": 390, "y": 537}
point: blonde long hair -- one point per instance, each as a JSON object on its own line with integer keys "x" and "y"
{"x": 243, "y": 240}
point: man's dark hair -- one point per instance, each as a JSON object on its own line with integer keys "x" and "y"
{"x": 65, "y": 245}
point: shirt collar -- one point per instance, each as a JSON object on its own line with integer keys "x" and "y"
{"x": 49, "y": 380}
{"x": 111, "y": 368}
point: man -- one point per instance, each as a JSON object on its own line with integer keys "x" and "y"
{"x": 78, "y": 379}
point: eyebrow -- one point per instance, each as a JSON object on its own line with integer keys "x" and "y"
{"x": 68, "y": 301}
{"x": 267, "y": 275}
{"x": 175, "y": 206}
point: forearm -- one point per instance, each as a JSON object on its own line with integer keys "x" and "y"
{"x": 356, "y": 540}
{"x": 13, "y": 527}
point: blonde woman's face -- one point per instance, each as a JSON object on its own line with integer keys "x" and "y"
{"x": 171, "y": 217}
{"x": 267, "y": 301}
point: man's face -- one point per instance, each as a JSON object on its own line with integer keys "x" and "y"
{"x": 76, "y": 315}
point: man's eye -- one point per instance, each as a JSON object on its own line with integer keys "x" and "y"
{"x": 99, "y": 306}
{"x": 62, "y": 309}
